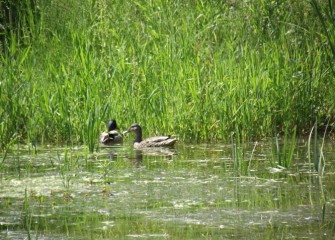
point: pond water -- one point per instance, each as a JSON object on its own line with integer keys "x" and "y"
{"x": 216, "y": 191}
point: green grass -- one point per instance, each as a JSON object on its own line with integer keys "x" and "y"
{"x": 201, "y": 70}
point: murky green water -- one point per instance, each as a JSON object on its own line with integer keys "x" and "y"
{"x": 190, "y": 192}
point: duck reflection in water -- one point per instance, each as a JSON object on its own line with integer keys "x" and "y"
{"x": 156, "y": 153}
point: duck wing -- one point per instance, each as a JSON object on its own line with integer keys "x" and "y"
{"x": 114, "y": 134}
{"x": 104, "y": 137}
{"x": 157, "y": 139}
{"x": 110, "y": 137}
{"x": 160, "y": 141}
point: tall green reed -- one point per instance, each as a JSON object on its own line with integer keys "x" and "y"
{"x": 315, "y": 148}
{"x": 197, "y": 70}
{"x": 284, "y": 151}
{"x": 325, "y": 13}
{"x": 67, "y": 166}
{"x": 14, "y": 92}
{"x": 27, "y": 214}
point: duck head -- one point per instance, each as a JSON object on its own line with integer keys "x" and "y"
{"x": 112, "y": 125}
{"x": 138, "y": 131}
{"x": 133, "y": 128}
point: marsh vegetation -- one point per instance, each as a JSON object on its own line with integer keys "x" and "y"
{"x": 201, "y": 70}
{"x": 247, "y": 87}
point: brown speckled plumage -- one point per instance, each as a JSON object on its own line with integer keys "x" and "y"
{"x": 159, "y": 141}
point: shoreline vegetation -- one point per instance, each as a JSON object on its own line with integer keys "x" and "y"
{"x": 201, "y": 70}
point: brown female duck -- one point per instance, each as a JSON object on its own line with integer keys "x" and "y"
{"x": 159, "y": 141}
{"x": 111, "y": 136}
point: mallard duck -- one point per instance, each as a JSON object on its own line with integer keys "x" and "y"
{"x": 111, "y": 136}
{"x": 159, "y": 141}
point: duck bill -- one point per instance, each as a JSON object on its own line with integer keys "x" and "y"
{"x": 125, "y": 132}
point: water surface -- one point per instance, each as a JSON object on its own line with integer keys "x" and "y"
{"x": 214, "y": 191}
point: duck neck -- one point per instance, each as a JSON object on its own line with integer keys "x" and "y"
{"x": 138, "y": 137}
